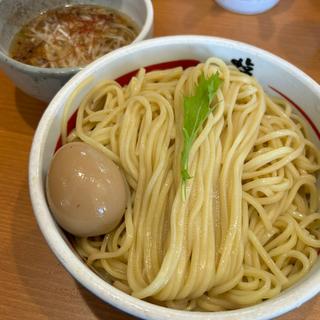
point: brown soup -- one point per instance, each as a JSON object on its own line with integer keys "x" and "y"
{"x": 72, "y": 36}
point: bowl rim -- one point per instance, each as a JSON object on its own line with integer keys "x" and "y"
{"x": 146, "y": 28}
{"x": 289, "y": 300}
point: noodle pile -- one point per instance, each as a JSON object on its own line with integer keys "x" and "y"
{"x": 249, "y": 226}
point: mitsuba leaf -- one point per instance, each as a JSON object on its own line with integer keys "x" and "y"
{"x": 196, "y": 110}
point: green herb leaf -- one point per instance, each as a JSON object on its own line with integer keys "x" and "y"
{"x": 196, "y": 110}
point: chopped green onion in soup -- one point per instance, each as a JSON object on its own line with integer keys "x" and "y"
{"x": 72, "y": 36}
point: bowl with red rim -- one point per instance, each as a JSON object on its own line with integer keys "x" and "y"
{"x": 43, "y": 82}
{"x": 277, "y": 76}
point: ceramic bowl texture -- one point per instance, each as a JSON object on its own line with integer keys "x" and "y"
{"x": 43, "y": 83}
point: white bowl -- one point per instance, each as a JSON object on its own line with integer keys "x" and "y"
{"x": 247, "y": 6}
{"x": 43, "y": 83}
{"x": 271, "y": 70}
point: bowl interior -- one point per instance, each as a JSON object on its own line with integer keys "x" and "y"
{"x": 276, "y": 76}
{"x": 14, "y": 14}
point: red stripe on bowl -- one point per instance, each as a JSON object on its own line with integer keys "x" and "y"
{"x": 123, "y": 80}
{"x": 304, "y": 114}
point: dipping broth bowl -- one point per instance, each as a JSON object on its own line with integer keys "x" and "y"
{"x": 43, "y": 83}
{"x": 277, "y": 76}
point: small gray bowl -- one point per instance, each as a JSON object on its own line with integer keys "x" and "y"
{"x": 43, "y": 83}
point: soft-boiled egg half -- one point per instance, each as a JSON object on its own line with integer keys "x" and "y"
{"x": 86, "y": 191}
